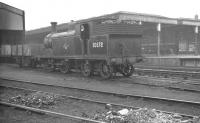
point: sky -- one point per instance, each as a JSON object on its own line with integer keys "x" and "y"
{"x": 39, "y": 13}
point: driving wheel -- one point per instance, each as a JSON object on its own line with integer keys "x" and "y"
{"x": 65, "y": 67}
{"x": 86, "y": 69}
{"x": 106, "y": 70}
{"x": 127, "y": 70}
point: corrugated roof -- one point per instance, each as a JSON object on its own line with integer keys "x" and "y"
{"x": 143, "y": 14}
{"x": 11, "y": 8}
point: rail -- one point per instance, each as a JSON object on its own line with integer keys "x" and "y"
{"x": 49, "y": 112}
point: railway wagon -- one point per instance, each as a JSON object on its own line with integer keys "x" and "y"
{"x": 93, "y": 46}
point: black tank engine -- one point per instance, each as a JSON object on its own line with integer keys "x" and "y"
{"x": 103, "y": 46}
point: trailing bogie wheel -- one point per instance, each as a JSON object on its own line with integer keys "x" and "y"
{"x": 106, "y": 71}
{"x": 65, "y": 67}
{"x": 48, "y": 65}
{"x": 86, "y": 69}
{"x": 127, "y": 70}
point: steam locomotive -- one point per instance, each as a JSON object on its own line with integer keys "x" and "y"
{"x": 104, "y": 46}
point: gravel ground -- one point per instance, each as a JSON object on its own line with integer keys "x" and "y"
{"x": 136, "y": 102}
{"x": 62, "y": 105}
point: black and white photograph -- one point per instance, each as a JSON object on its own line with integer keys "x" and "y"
{"x": 99, "y": 61}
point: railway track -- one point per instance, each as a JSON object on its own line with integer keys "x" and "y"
{"x": 169, "y": 73}
{"x": 184, "y": 81}
{"x": 190, "y": 85}
{"x": 107, "y": 92}
{"x": 103, "y": 103}
{"x": 116, "y": 94}
{"x": 47, "y": 112}
{"x": 172, "y": 84}
{"x": 190, "y": 81}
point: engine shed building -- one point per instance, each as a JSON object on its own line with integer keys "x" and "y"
{"x": 165, "y": 41}
{"x": 12, "y": 32}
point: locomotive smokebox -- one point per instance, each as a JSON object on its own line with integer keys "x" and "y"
{"x": 53, "y": 27}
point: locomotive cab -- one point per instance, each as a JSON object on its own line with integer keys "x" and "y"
{"x": 118, "y": 44}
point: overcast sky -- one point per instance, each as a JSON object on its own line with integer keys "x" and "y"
{"x": 39, "y": 13}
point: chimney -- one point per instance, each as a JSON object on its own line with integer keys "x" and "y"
{"x": 53, "y": 27}
{"x": 196, "y": 17}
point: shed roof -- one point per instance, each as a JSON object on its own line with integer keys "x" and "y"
{"x": 11, "y": 9}
{"x": 11, "y": 24}
{"x": 122, "y": 15}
